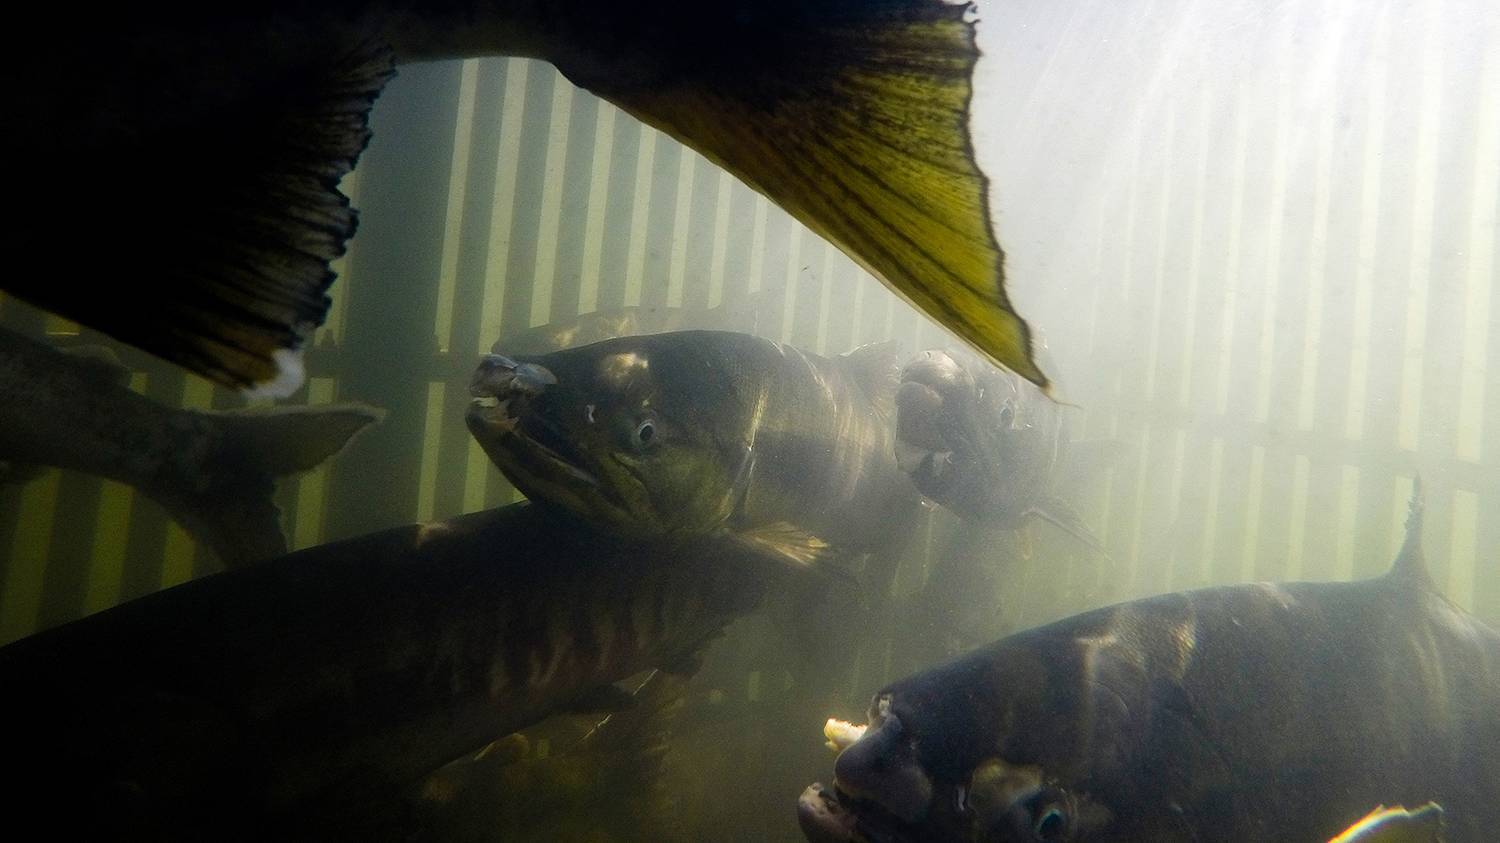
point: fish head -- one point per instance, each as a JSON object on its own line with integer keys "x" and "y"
{"x": 884, "y": 792}
{"x": 1032, "y": 739}
{"x": 929, "y": 437}
{"x": 628, "y": 434}
{"x": 956, "y": 427}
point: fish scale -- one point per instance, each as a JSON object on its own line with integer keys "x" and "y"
{"x": 307, "y": 694}
{"x": 1243, "y": 712}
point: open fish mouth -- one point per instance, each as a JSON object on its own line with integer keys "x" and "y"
{"x": 828, "y": 815}
{"x": 518, "y": 441}
{"x": 935, "y": 473}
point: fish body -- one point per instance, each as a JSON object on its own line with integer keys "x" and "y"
{"x": 1247, "y": 712}
{"x": 989, "y": 446}
{"x": 203, "y": 144}
{"x": 305, "y": 696}
{"x": 709, "y": 433}
{"x": 213, "y": 471}
{"x": 608, "y": 786}
{"x": 1396, "y": 825}
{"x": 698, "y": 432}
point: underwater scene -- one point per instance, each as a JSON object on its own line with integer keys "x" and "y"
{"x": 850, "y": 421}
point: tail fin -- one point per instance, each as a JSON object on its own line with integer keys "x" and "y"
{"x": 233, "y": 512}
{"x": 1411, "y": 564}
{"x": 226, "y": 228}
{"x": 854, "y": 117}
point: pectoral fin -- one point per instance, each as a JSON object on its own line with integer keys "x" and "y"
{"x": 784, "y": 542}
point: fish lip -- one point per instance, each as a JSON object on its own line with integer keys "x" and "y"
{"x": 500, "y": 390}
{"x": 829, "y": 815}
{"x": 532, "y": 464}
{"x": 824, "y": 818}
{"x": 495, "y": 422}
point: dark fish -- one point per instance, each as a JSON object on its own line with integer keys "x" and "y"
{"x": 178, "y": 164}
{"x": 707, "y": 432}
{"x": 306, "y": 696}
{"x": 989, "y": 446}
{"x": 214, "y": 472}
{"x": 1246, "y": 712}
{"x": 697, "y": 432}
{"x": 608, "y": 786}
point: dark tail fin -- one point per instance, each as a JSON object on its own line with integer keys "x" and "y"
{"x": 225, "y": 224}
{"x": 1411, "y": 563}
{"x": 234, "y": 514}
{"x": 854, "y": 117}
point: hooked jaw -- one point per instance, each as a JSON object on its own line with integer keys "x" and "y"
{"x": 501, "y": 390}
{"x": 499, "y": 380}
{"x": 932, "y": 389}
{"x": 882, "y": 767}
{"x": 823, "y": 818}
{"x": 498, "y": 387}
{"x": 538, "y": 430}
{"x": 880, "y": 793}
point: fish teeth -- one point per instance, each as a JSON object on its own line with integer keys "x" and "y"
{"x": 498, "y": 416}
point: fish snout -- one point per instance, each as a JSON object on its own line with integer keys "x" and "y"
{"x": 919, "y": 418}
{"x": 939, "y": 371}
{"x": 882, "y": 767}
{"x": 500, "y": 388}
{"x": 502, "y": 378}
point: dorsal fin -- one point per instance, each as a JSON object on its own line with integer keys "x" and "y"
{"x": 1410, "y": 565}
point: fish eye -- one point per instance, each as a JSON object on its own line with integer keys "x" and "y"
{"x": 1051, "y": 824}
{"x": 645, "y": 432}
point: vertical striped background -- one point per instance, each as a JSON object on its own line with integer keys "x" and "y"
{"x": 1260, "y": 240}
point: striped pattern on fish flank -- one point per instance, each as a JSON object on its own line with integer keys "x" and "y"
{"x": 412, "y": 648}
{"x": 547, "y": 644}
{"x": 824, "y": 452}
